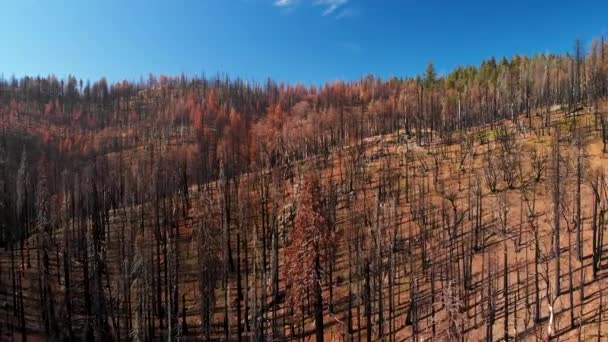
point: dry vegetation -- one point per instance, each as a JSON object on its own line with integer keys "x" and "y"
{"x": 377, "y": 216}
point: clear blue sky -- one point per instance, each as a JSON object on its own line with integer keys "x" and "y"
{"x": 308, "y": 41}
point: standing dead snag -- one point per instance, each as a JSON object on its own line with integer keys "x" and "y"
{"x": 43, "y": 206}
{"x": 208, "y": 260}
{"x": 453, "y": 306}
{"x": 310, "y": 242}
{"x": 579, "y": 223}
{"x": 551, "y": 296}
{"x": 556, "y": 194}
{"x": 508, "y": 156}
{"x": 604, "y": 132}
{"x": 490, "y": 173}
{"x": 600, "y": 196}
{"x": 538, "y": 162}
{"x": 533, "y": 225}
{"x": 490, "y": 298}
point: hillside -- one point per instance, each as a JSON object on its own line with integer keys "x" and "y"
{"x": 469, "y": 206}
{"x": 421, "y": 245}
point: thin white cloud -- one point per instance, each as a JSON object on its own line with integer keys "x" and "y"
{"x": 284, "y": 3}
{"x": 335, "y": 8}
{"x": 330, "y": 5}
{"x": 347, "y": 13}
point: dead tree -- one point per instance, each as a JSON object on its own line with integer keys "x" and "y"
{"x": 490, "y": 172}
{"x": 556, "y": 199}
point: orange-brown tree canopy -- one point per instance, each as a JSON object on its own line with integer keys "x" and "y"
{"x": 310, "y": 241}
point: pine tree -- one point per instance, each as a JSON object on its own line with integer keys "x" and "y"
{"x": 307, "y": 251}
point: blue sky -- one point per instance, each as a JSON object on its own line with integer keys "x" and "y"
{"x": 310, "y": 41}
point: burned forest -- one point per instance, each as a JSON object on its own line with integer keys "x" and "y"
{"x": 465, "y": 206}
